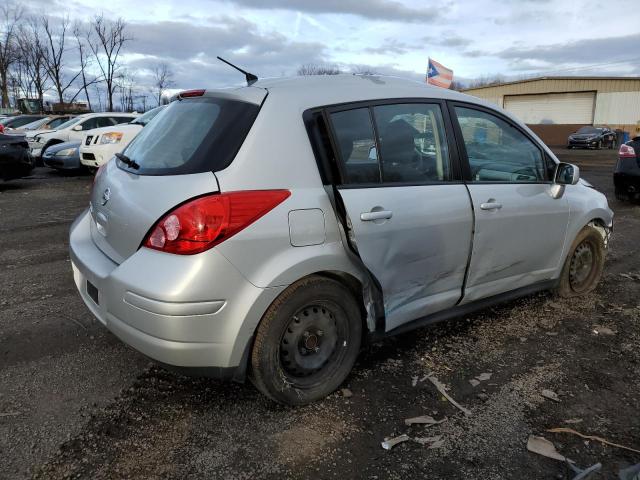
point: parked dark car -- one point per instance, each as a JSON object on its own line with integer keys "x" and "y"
{"x": 592, "y": 137}
{"x": 63, "y": 156}
{"x": 15, "y": 159}
{"x": 626, "y": 176}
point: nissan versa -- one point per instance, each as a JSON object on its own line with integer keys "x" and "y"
{"x": 269, "y": 230}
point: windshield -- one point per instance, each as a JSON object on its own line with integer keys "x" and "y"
{"x": 588, "y": 130}
{"x": 36, "y": 124}
{"x": 69, "y": 123}
{"x": 147, "y": 117}
{"x": 192, "y": 136}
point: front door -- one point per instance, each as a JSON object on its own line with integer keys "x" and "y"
{"x": 408, "y": 218}
{"x": 520, "y": 228}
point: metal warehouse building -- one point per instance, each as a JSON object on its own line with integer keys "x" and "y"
{"x": 554, "y": 107}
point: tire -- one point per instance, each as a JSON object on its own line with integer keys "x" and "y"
{"x": 569, "y": 147}
{"x": 307, "y": 342}
{"x": 584, "y": 264}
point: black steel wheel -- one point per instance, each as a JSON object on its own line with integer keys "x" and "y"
{"x": 306, "y": 342}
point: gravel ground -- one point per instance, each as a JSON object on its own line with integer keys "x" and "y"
{"x": 76, "y": 403}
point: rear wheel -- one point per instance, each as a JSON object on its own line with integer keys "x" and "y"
{"x": 307, "y": 342}
{"x": 584, "y": 264}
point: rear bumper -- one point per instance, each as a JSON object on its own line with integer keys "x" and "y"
{"x": 626, "y": 183}
{"x": 155, "y": 303}
{"x": 16, "y": 166}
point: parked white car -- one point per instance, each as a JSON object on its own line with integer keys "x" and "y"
{"x": 100, "y": 144}
{"x": 75, "y": 129}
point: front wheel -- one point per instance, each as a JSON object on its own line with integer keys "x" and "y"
{"x": 307, "y": 342}
{"x": 584, "y": 264}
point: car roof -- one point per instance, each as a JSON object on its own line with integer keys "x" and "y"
{"x": 318, "y": 90}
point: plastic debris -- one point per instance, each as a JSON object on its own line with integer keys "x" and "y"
{"x": 598, "y": 330}
{"x": 630, "y": 276}
{"x": 474, "y": 382}
{"x": 423, "y": 420}
{"x": 550, "y": 394}
{"x": 630, "y": 473}
{"x": 583, "y": 474}
{"x": 389, "y": 443}
{"x": 414, "y": 381}
{"x": 346, "y": 393}
{"x": 544, "y": 447}
{"x": 591, "y": 437}
{"x": 432, "y": 442}
{"x": 483, "y": 377}
{"x": 444, "y": 393}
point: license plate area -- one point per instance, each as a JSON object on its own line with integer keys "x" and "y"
{"x": 92, "y": 290}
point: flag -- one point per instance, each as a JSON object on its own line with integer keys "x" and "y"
{"x": 439, "y": 75}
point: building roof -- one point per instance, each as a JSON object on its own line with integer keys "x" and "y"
{"x": 537, "y": 79}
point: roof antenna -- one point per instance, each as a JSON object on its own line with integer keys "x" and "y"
{"x": 251, "y": 78}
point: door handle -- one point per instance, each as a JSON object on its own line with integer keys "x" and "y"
{"x": 376, "y": 215}
{"x": 490, "y": 205}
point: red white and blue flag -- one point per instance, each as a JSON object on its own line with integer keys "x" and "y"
{"x": 439, "y": 75}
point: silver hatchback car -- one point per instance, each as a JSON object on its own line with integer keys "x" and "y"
{"x": 270, "y": 230}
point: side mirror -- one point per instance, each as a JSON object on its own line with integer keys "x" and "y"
{"x": 567, "y": 174}
{"x": 77, "y": 128}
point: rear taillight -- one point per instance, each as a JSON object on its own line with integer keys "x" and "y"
{"x": 626, "y": 151}
{"x": 204, "y": 222}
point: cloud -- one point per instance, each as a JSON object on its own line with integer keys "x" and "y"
{"x": 389, "y": 10}
{"x": 587, "y": 51}
{"x": 191, "y": 50}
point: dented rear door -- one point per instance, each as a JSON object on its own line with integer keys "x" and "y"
{"x": 409, "y": 221}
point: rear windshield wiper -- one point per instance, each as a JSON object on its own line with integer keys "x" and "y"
{"x": 127, "y": 161}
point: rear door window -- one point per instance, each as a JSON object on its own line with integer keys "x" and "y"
{"x": 192, "y": 136}
{"x": 406, "y": 144}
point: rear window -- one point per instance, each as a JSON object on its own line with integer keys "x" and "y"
{"x": 192, "y": 136}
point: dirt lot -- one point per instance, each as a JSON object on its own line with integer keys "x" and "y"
{"x": 76, "y": 403}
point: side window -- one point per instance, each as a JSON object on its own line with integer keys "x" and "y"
{"x": 355, "y": 140}
{"x": 497, "y": 151}
{"x": 89, "y": 124}
{"x": 119, "y": 120}
{"x": 105, "y": 122}
{"x": 413, "y": 144}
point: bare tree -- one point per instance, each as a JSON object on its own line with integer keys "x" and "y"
{"x": 32, "y": 59}
{"x": 312, "y": 69}
{"x": 9, "y": 20}
{"x": 55, "y": 55}
{"x": 106, "y": 42}
{"x": 485, "y": 81}
{"x": 84, "y": 62}
{"x": 163, "y": 79}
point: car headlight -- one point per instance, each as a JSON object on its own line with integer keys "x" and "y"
{"x": 111, "y": 137}
{"x": 67, "y": 152}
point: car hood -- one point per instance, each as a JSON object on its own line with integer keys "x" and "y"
{"x": 61, "y": 146}
{"x": 123, "y": 127}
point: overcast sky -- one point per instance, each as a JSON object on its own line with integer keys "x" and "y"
{"x": 274, "y": 37}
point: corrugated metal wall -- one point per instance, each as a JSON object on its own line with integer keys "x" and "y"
{"x": 617, "y": 99}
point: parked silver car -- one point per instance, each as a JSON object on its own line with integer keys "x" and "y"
{"x": 273, "y": 228}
